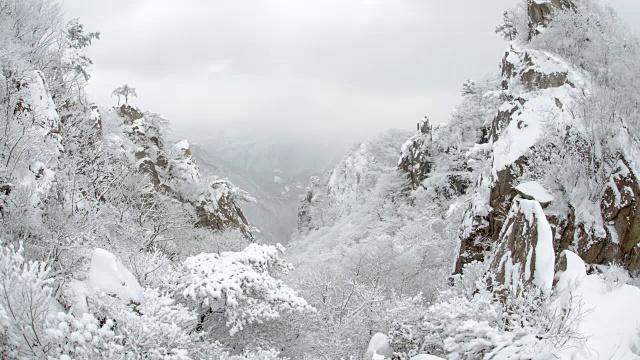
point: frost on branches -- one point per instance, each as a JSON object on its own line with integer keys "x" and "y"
{"x": 240, "y": 285}
{"x": 32, "y": 324}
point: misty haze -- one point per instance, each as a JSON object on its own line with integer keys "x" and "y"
{"x": 366, "y": 179}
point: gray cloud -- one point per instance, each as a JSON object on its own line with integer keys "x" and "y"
{"x": 318, "y": 67}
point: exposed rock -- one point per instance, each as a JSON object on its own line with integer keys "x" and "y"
{"x": 524, "y": 251}
{"x": 162, "y": 160}
{"x": 424, "y": 127}
{"x": 175, "y": 173}
{"x": 131, "y": 113}
{"x": 563, "y": 228}
{"x": 503, "y": 118}
{"x": 5, "y": 188}
{"x": 535, "y": 69}
{"x": 148, "y": 167}
{"x": 474, "y": 246}
{"x": 618, "y": 243}
{"x": 620, "y": 206}
{"x": 223, "y": 215}
{"x": 620, "y": 212}
{"x": 184, "y": 147}
{"x": 459, "y": 183}
{"x": 541, "y": 12}
{"x": 536, "y": 79}
{"x": 502, "y": 194}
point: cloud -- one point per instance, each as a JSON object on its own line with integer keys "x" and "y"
{"x": 333, "y": 66}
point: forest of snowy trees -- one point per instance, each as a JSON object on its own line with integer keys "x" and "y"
{"x": 510, "y": 232}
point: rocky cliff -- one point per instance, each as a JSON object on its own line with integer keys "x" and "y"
{"x": 173, "y": 171}
{"x": 543, "y": 126}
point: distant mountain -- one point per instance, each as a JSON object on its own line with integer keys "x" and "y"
{"x": 274, "y": 172}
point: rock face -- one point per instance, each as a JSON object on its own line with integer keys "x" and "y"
{"x": 502, "y": 194}
{"x": 534, "y": 69}
{"x": 174, "y": 172}
{"x": 541, "y": 12}
{"x": 620, "y": 212}
{"x": 539, "y": 86}
{"x": 524, "y": 252}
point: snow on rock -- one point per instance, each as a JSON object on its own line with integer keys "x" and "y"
{"x": 532, "y": 190}
{"x": 611, "y": 318}
{"x": 543, "y": 85}
{"x": 379, "y": 347}
{"x": 182, "y": 145}
{"x": 523, "y": 131}
{"x": 545, "y": 256}
{"x": 108, "y": 274}
{"x": 42, "y": 104}
{"x": 78, "y": 292}
{"x": 525, "y": 247}
{"x": 426, "y": 357}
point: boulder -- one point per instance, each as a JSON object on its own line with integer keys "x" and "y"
{"x": 524, "y": 251}
{"x": 532, "y": 190}
{"x": 379, "y": 347}
{"x": 107, "y": 274}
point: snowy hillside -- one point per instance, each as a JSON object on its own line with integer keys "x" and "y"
{"x": 535, "y": 166}
{"x": 510, "y": 232}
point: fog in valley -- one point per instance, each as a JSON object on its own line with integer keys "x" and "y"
{"x": 282, "y": 89}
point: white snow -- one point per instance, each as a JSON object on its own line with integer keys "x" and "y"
{"x": 78, "y": 292}
{"x": 545, "y": 255}
{"x": 379, "y": 347}
{"x": 612, "y": 315}
{"x": 544, "y": 266}
{"x": 426, "y": 357}
{"x": 108, "y": 274}
{"x": 524, "y": 130}
{"x": 42, "y": 103}
{"x": 182, "y": 145}
{"x": 536, "y": 191}
{"x": 539, "y": 111}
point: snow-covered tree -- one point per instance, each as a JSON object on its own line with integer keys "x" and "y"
{"x": 124, "y": 91}
{"x": 239, "y": 286}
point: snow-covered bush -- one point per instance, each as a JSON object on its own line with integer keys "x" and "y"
{"x": 614, "y": 276}
{"x": 593, "y": 37}
{"x": 157, "y": 328}
{"x": 82, "y": 338}
{"x": 494, "y": 321}
{"x": 515, "y": 23}
{"x": 31, "y": 325}
{"x": 240, "y": 285}
{"x": 25, "y": 295}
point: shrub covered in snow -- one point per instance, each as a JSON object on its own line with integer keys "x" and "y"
{"x": 239, "y": 284}
{"x": 474, "y": 321}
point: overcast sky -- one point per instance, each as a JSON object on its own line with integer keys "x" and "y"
{"x": 319, "y": 67}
